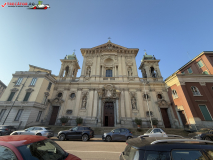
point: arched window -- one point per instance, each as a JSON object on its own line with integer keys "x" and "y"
{"x": 153, "y": 72}
{"x": 195, "y": 91}
{"x": 66, "y": 71}
{"x": 174, "y": 93}
{"x": 146, "y": 96}
{"x": 108, "y": 73}
{"x": 129, "y": 70}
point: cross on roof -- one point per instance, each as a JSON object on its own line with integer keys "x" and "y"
{"x": 109, "y": 38}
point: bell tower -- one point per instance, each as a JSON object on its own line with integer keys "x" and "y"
{"x": 69, "y": 67}
{"x": 150, "y": 68}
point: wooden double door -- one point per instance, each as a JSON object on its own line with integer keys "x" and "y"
{"x": 54, "y": 115}
{"x": 165, "y": 117}
{"x": 108, "y": 116}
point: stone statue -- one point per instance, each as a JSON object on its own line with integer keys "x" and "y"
{"x": 134, "y": 103}
{"x": 84, "y": 102}
{"x": 88, "y": 71}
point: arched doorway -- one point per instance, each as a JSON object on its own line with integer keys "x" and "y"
{"x": 108, "y": 115}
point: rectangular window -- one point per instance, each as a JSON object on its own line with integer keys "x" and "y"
{"x": 11, "y": 96}
{"x": 33, "y": 81}
{"x": 182, "y": 72}
{"x": 189, "y": 70}
{"x": 18, "y": 82}
{"x": 49, "y": 86}
{"x": 200, "y": 63}
{"x": 205, "y": 113}
{"x": 18, "y": 115}
{"x": 108, "y": 73}
{"x": 27, "y": 96}
{"x": 2, "y": 113}
{"x": 39, "y": 116}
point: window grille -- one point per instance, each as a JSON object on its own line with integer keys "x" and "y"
{"x": 195, "y": 91}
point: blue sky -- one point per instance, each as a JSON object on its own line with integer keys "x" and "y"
{"x": 167, "y": 29}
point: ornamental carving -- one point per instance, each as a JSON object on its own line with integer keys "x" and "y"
{"x": 163, "y": 103}
{"x": 129, "y": 61}
{"x": 46, "y": 94}
{"x": 29, "y": 90}
{"x": 56, "y": 101}
{"x": 108, "y": 91}
{"x": 133, "y": 100}
{"x": 14, "y": 90}
{"x": 84, "y": 100}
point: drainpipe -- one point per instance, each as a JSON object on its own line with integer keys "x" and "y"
{"x": 14, "y": 101}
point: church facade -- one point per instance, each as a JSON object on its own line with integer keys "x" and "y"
{"x": 109, "y": 91}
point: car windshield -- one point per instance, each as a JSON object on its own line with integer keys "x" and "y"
{"x": 42, "y": 150}
{"x": 149, "y": 130}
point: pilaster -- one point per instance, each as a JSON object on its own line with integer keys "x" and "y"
{"x": 78, "y": 99}
{"x": 95, "y": 106}
{"x": 90, "y": 99}
{"x": 140, "y": 103}
{"x": 123, "y": 108}
{"x": 127, "y": 103}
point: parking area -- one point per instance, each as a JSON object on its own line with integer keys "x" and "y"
{"x": 95, "y": 149}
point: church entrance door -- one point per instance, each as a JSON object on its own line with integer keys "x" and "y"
{"x": 54, "y": 115}
{"x": 108, "y": 118}
{"x": 165, "y": 117}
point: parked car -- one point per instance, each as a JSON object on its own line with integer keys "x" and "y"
{"x": 154, "y": 132}
{"x": 39, "y": 131}
{"x": 6, "y": 130}
{"x": 165, "y": 148}
{"x": 83, "y": 133}
{"x": 205, "y": 136}
{"x": 24, "y": 147}
{"x": 119, "y": 134}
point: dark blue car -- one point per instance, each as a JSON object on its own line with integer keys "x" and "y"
{"x": 119, "y": 134}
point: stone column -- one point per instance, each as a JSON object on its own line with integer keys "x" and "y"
{"x": 93, "y": 67}
{"x": 102, "y": 71}
{"x": 95, "y": 106}
{"x": 98, "y": 66}
{"x": 147, "y": 72}
{"x": 123, "y": 108}
{"x": 140, "y": 103}
{"x": 135, "y": 71}
{"x": 127, "y": 103}
{"x": 70, "y": 71}
{"x": 124, "y": 66}
{"x": 61, "y": 70}
{"x": 99, "y": 110}
{"x": 113, "y": 71}
{"x": 90, "y": 102}
{"x": 158, "y": 71}
{"x": 117, "y": 109}
{"x": 119, "y": 67}
{"x": 78, "y": 100}
{"x": 83, "y": 68}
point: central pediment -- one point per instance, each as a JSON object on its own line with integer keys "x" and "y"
{"x": 108, "y": 47}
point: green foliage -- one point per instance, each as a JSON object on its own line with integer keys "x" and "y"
{"x": 138, "y": 121}
{"x": 79, "y": 120}
{"x": 64, "y": 119}
{"x": 154, "y": 121}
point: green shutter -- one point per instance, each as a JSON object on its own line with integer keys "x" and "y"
{"x": 205, "y": 113}
{"x": 27, "y": 96}
{"x": 11, "y": 96}
{"x": 200, "y": 64}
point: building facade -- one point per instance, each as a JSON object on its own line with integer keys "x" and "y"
{"x": 190, "y": 90}
{"x": 109, "y": 91}
{"x": 2, "y": 88}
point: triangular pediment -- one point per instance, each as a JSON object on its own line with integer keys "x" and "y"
{"x": 109, "y": 45}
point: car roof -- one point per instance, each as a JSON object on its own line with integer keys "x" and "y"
{"x": 165, "y": 143}
{"x": 20, "y": 140}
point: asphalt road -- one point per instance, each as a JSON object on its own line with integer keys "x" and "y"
{"x": 95, "y": 149}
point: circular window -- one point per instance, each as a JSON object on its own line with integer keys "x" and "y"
{"x": 160, "y": 96}
{"x": 147, "y": 113}
{"x": 72, "y": 95}
{"x": 59, "y": 95}
{"x": 146, "y": 96}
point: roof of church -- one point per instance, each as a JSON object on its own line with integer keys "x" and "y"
{"x": 148, "y": 57}
{"x": 71, "y": 57}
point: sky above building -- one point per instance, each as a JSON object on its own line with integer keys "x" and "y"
{"x": 175, "y": 31}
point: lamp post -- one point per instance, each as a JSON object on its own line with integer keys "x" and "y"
{"x": 146, "y": 96}
{"x": 14, "y": 101}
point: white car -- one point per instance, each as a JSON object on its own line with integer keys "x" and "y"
{"x": 42, "y": 6}
{"x": 39, "y": 131}
{"x": 155, "y": 132}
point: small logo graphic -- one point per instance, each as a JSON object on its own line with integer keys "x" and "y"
{"x": 4, "y": 5}
{"x": 40, "y": 5}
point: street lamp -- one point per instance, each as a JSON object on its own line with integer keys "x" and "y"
{"x": 146, "y": 97}
{"x": 14, "y": 101}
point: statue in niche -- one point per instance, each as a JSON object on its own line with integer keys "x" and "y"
{"x": 84, "y": 102}
{"x": 133, "y": 103}
{"x": 88, "y": 71}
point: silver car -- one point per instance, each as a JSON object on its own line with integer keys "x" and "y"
{"x": 39, "y": 131}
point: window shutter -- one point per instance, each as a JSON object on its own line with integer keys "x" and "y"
{"x": 11, "y": 96}
{"x": 27, "y": 96}
{"x": 205, "y": 113}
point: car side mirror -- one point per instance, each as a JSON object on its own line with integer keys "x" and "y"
{"x": 71, "y": 130}
{"x": 26, "y": 129}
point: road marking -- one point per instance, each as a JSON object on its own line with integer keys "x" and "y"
{"x": 91, "y": 151}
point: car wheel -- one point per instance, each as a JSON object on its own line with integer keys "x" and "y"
{"x": 85, "y": 137}
{"x": 208, "y": 139}
{"x": 0, "y": 134}
{"x": 38, "y": 134}
{"x": 129, "y": 138}
{"x": 62, "y": 137}
{"x": 108, "y": 139}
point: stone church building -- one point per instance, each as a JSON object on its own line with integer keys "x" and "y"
{"x": 109, "y": 91}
